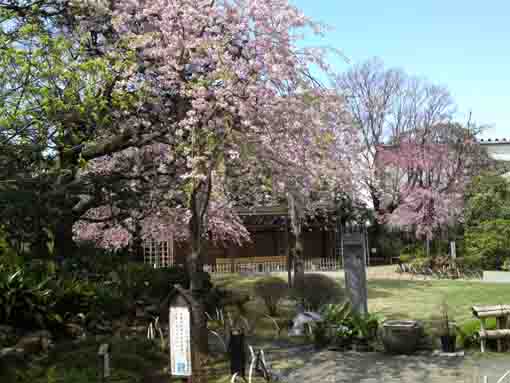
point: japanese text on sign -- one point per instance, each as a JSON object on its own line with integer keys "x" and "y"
{"x": 180, "y": 341}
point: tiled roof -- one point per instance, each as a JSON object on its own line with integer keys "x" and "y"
{"x": 495, "y": 141}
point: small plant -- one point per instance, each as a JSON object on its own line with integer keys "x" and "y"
{"x": 336, "y": 314}
{"x": 365, "y": 326}
{"x": 271, "y": 290}
{"x": 24, "y": 302}
{"x": 344, "y": 335}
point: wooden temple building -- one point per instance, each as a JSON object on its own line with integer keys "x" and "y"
{"x": 270, "y": 246}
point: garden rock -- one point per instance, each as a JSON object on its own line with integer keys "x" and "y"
{"x": 301, "y": 319}
{"x": 74, "y": 330}
{"x": 11, "y": 357}
{"x": 35, "y": 342}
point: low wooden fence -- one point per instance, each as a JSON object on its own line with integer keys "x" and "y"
{"x": 268, "y": 265}
{"x": 502, "y": 333}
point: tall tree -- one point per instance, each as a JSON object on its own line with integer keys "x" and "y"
{"x": 386, "y": 103}
{"x": 231, "y": 81}
{"x": 64, "y": 100}
{"x": 433, "y": 166}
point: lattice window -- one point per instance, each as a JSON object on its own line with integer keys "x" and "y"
{"x": 159, "y": 254}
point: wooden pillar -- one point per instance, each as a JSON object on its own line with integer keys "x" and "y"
{"x": 483, "y": 339}
{"x": 324, "y": 244}
{"x": 499, "y": 326}
{"x": 275, "y": 243}
{"x": 287, "y": 252}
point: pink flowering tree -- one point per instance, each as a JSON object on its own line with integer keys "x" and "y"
{"x": 229, "y": 80}
{"x": 431, "y": 169}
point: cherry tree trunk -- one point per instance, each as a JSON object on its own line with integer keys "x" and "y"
{"x": 200, "y": 343}
{"x": 299, "y": 265}
{"x": 288, "y": 254}
{"x": 296, "y": 212}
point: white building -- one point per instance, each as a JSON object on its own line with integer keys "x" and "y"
{"x": 498, "y": 149}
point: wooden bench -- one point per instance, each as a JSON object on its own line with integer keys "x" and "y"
{"x": 502, "y": 333}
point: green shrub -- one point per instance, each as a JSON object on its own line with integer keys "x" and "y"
{"x": 137, "y": 280}
{"x": 271, "y": 290}
{"x": 9, "y": 260}
{"x": 162, "y": 281}
{"x": 71, "y": 297}
{"x": 318, "y": 290}
{"x": 468, "y": 332}
{"x": 411, "y": 252}
{"x": 24, "y": 302}
{"x": 490, "y": 242}
{"x": 109, "y": 302}
{"x": 29, "y": 301}
{"x": 390, "y": 245}
{"x": 364, "y": 326}
{"x": 336, "y": 314}
{"x": 420, "y": 263}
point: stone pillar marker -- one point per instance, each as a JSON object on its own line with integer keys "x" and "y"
{"x": 355, "y": 270}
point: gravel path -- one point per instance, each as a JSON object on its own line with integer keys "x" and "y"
{"x": 337, "y": 367}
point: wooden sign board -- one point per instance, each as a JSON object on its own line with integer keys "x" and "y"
{"x": 180, "y": 340}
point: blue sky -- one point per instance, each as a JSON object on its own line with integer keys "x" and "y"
{"x": 462, "y": 44}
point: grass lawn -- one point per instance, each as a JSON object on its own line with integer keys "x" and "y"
{"x": 421, "y": 299}
{"x": 404, "y": 298}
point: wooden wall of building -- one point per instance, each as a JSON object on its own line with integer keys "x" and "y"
{"x": 271, "y": 243}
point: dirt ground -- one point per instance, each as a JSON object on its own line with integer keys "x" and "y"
{"x": 339, "y": 367}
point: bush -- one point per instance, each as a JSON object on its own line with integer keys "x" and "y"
{"x": 389, "y": 244}
{"x": 137, "y": 280}
{"x": 24, "y": 302}
{"x": 71, "y": 297}
{"x": 271, "y": 290}
{"x": 468, "y": 333}
{"x": 109, "y": 302}
{"x": 420, "y": 263}
{"x": 411, "y": 252}
{"x": 489, "y": 241}
{"x": 32, "y": 301}
{"x": 318, "y": 290}
{"x": 336, "y": 314}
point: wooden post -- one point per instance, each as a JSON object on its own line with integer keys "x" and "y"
{"x": 499, "y": 326}
{"x": 483, "y": 340}
{"x": 287, "y": 252}
{"x": 104, "y": 361}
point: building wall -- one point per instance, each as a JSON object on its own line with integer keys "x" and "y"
{"x": 498, "y": 150}
{"x": 269, "y": 243}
